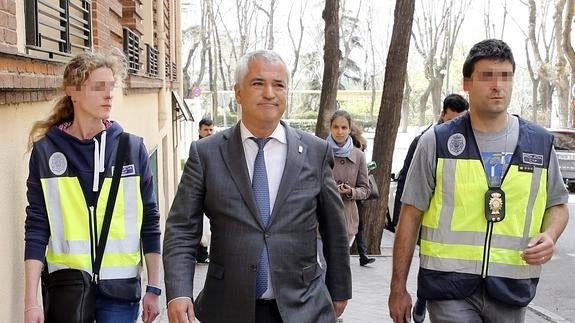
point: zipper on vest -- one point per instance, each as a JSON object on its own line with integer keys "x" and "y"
{"x": 486, "y": 249}
{"x": 93, "y": 233}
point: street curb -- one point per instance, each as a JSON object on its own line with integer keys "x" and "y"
{"x": 546, "y": 314}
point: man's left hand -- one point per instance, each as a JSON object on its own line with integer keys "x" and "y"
{"x": 539, "y": 250}
{"x": 151, "y": 307}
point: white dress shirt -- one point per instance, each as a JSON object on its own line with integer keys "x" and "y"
{"x": 275, "y": 155}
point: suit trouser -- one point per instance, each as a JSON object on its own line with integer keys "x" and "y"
{"x": 267, "y": 312}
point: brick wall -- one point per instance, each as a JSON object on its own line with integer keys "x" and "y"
{"x": 24, "y": 78}
{"x": 8, "y": 26}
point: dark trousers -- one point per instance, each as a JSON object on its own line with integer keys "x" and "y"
{"x": 359, "y": 239}
{"x": 267, "y": 312}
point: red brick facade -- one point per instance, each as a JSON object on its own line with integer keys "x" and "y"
{"x": 8, "y": 26}
{"x": 25, "y": 78}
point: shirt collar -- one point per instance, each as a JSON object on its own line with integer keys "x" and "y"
{"x": 278, "y": 134}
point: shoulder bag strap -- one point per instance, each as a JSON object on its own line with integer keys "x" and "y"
{"x": 120, "y": 157}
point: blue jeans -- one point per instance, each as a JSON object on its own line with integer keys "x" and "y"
{"x": 110, "y": 310}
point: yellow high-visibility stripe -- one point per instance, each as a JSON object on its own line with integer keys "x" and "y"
{"x": 457, "y": 232}
{"x": 69, "y": 245}
{"x": 441, "y": 250}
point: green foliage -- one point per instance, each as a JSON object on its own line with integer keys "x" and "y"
{"x": 307, "y": 125}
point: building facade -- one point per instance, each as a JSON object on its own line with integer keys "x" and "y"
{"x": 37, "y": 38}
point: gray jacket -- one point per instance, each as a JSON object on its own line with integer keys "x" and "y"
{"x": 216, "y": 182}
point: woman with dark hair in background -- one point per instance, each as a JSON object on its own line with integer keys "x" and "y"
{"x": 360, "y": 142}
{"x": 350, "y": 169}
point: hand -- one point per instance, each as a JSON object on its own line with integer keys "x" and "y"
{"x": 34, "y": 314}
{"x": 400, "y": 306}
{"x": 339, "y": 307}
{"x": 181, "y": 310}
{"x": 151, "y": 307}
{"x": 344, "y": 189}
{"x": 539, "y": 250}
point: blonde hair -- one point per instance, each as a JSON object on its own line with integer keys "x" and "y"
{"x": 77, "y": 71}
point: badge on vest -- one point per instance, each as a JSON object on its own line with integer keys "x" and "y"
{"x": 495, "y": 205}
{"x": 526, "y": 168}
{"x": 533, "y": 159}
{"x": 127, "y": 170}
{"x": 58, "y": 163}
{"x": 456, "y": 144}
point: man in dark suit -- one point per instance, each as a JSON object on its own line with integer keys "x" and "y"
{"x": 262, "y": 226}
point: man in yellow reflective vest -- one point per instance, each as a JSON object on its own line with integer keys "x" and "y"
{"x": 487, "y": 192}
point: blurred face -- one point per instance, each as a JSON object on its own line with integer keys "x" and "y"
{"x": 94, "y": 97}
{"x": 490, "y": 86}
{"x": 205, "y": 130}
{"x": 340, "y": 130}
{"x": 262, "y": 94}
{"x": 450, "y": 114}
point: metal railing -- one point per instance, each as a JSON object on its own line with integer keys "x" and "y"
{"x": 132, "y": 50}
{"x": 57, "y": 27}
{"x": 152, "y": 59}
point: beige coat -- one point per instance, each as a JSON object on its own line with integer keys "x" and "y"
{"x": 352, "y": 170}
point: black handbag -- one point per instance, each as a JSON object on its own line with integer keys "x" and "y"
{"x": 373, "y": 189}
{"x": 69, "y": 295}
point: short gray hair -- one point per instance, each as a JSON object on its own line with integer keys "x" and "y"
{"x": 265, "y": 54}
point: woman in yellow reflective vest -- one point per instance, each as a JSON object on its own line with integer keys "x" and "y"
{"x": 72, "y": 154}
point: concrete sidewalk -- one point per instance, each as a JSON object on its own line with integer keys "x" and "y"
{"x": 370, "y": 289}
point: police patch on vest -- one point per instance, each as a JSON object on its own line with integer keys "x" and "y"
{"x": 58, "y": 163}
{"x": 533, "y": 159}
{"x": 456, "y": 144}
{"x": 128, "y": 170}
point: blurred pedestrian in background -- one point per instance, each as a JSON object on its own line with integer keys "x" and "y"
{"x": 350, "y": 169}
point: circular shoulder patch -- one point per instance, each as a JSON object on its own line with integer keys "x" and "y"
{"x": 456, "y": 144}
{"x": 58, "y": 163}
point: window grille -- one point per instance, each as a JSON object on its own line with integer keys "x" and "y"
{"x": 152, "y": 58}
{"x": 132, "y": 50}
{"x": 168, "y": 70}
{"x": 174, "y": 72}
{"x": 57, "y": 27}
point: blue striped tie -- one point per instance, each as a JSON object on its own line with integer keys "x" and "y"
{"x": 262, "y": 195}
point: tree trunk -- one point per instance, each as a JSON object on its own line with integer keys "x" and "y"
{"x": 331, "y": 67}
{"x": 404, "y": 122}
{"x": 423, "y": 104}
{"x": 569, "y": 51}
{"x": 388, "y": 120}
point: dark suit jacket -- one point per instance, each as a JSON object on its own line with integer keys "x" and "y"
{"x": 215, "y": 181}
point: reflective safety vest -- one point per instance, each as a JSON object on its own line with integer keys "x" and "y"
{"x": 459, "y": 248}
{"x": 72, "y": 220}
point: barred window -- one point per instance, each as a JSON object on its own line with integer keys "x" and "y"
{"x": 132, "y": 50}
{"x": 58, "y": 27}
{"x": 152, "y": 59}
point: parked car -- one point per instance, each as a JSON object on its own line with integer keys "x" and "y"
{"x": 565, "y": 147}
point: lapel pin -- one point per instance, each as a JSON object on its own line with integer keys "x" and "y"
{"x": 300, "y": 149}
